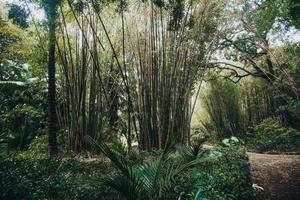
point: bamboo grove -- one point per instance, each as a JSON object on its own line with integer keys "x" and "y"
{"x": 144, "y": 68}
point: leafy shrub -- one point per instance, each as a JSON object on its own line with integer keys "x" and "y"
{"x": 25, "y": 177}
{"x": 22, "y": 115}
{"x": 214, "y": 174}
{"x": 20, "y": 126}
{"x": 272, "y": 135}
{"x": 135, "y": 157}
{"x": 39, "y": 145}
{"x": 38, "y": 148}
{"x": 185, "y": 172}
{"x": 224, "y": 175}
{"x": 150, "y": 179}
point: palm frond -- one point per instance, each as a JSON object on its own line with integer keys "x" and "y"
{"x": 192, "y": 152}
{"x": 124, "y": 186}
{"x": 151, "y": 179}
{"x": 119, "y": 161}
{"x": 129, "y": 174}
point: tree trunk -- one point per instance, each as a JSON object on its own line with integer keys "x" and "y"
{"x": 52, "y": 121}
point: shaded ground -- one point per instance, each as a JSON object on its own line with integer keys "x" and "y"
{"x": 278, "y": 175}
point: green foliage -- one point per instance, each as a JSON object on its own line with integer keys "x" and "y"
{"x": 18, "y": 15}
{"x": 13, "y": 41}
{"x": 12, "y": 71}
{"x": 20, "y": 126}
{"x": 212, "y": 174}
{"x": 264, "y": 14}
{"x": 20, "y": 47}
{"x": 271, "y": 11}
{"x": 22, "y": 114}
{"x": 187, "y": 173}
{"x": 23, "y": 102}
{"x": 294, "y": 11}
{"x": 39, "y": 145}
{"x": 193, "y": 151}
{"x": 226, "y": 176}
{"x": 288, "y": 94}
{"x": 149, "y": 180}
{"x": 254, "y": 106}
{"x": 233, "y": 109}
{"x": 271, "y": 134}
{"x": 36, "y": 178}
{"x": 9, "y": 38}
{"x": 256, "y": 49}
{"x": 221, "y": 101}
{"x": 177, "y": 10}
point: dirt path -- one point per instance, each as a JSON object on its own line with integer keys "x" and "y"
{"x": 278, "y": 175}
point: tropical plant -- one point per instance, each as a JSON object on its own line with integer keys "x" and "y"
{"x": 149, "y": 180}
{"x": 20, "y": 126}
{"x": 22, "y": 108}
{"x": 193, "y": 151}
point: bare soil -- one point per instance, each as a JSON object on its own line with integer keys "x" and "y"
{"x": 276, "y": 177}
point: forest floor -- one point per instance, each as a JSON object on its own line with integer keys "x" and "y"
{"x": 278, "y": 175}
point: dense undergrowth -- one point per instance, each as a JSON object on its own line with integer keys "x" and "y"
{"x": 27, "y": 177}
{"x": 225, "y": 176}
{"x": 140, "y": 88}
{"x": 264, "y": 117}
{"x": 222, "y": 173}
{"x": 272, "y": 135}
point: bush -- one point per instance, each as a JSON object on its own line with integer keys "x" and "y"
{"x": 39, "y": 145}
{"x": 224, "y": 175}
{"x": 20, "y": 126}
{"x": 271, "y": 134}
{"x": 25, "y": 177}
{"x": 22, "y": 114}
{"x": 39, "y": 148}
